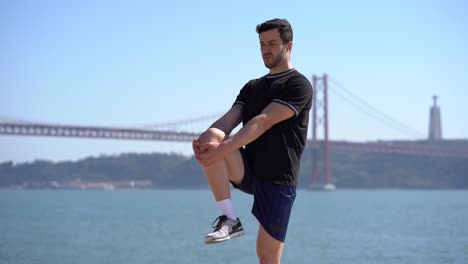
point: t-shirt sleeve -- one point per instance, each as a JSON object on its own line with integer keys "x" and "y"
{"x": 296, "y": 94}
{"x": 241, "y": 97}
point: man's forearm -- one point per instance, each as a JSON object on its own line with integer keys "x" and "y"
{"x": 250, "y": 132}
{"x": 222, "y": 127}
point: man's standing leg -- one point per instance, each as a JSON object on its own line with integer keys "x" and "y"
{"x": 269, "y": 249}
{"x": 272, "y": 207}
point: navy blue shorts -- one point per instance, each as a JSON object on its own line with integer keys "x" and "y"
{"x": 272, "y": 202}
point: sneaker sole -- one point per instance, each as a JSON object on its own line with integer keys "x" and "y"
{"x": 219, "y": 240}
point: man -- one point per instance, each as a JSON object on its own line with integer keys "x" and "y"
{"x": 262, "y": 158}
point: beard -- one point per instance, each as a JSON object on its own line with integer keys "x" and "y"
{"x": 274, "y": 60}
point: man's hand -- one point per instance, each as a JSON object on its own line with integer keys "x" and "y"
{"x": 195, "y": 146}
{"x": 208, "y": 153}
{"x": 207, "y": 140}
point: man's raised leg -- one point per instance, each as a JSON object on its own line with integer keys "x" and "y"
{"x": 218, "y": 175}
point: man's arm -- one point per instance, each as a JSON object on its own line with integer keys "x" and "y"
{"x": 223, "y": 126}
{"x": 230, "y": 120}
{"x": 271, "y": 115}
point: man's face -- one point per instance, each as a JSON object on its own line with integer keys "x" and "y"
{"x": 273, "y": 50}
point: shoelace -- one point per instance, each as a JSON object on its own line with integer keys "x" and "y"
{"x": 221, "y": 219}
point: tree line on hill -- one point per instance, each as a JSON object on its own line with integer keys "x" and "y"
{"x": 348, "y": 170}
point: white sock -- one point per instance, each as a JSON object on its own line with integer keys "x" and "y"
{"x": 226, "y": 208}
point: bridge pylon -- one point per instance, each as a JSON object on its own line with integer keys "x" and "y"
{"x": 321, "y": 175}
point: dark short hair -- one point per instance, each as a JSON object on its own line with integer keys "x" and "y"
{"x": 283, "y": 26}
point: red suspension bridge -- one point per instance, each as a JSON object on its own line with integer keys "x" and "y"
{"x": 319, "y": 141}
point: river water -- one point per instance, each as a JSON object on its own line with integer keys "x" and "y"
{"x": 168, "y": 226}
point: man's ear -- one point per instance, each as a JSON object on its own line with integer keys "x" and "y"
{"x": 289, "y": 46}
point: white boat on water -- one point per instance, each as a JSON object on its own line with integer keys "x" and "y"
{"x": 320, "y": 187}
{"x": 329, "y": 187}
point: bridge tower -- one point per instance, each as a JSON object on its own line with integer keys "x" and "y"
{"x": 320, "y": 174}
{"x": 435, "y": 124}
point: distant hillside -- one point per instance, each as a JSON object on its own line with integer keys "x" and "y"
{"x": 349, "y": 170}
{"x": 379, "y": 170}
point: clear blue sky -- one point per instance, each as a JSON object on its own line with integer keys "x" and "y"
{"x": 119, "y": 63}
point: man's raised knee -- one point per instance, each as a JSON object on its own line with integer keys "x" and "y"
{"x": 212, "y": 135}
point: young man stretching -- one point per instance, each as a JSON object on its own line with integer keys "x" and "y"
{"x": 262, "y": 158}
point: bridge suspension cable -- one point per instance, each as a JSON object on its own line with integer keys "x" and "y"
{"x": 372, "y": 111}
{"x": 12, "y": 119}
{"x": 185, "y": 121}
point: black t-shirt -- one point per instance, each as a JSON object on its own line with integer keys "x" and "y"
{"x": 275, "y": 155}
